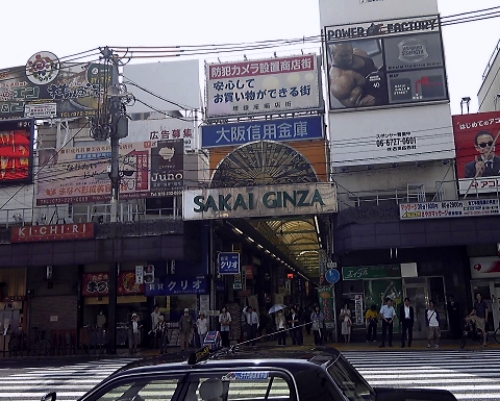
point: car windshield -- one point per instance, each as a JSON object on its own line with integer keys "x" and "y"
{"x": 350, "y": 382}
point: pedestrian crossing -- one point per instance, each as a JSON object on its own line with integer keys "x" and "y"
{"x": 469, "y": 375}
{"x": 70, "y": 381}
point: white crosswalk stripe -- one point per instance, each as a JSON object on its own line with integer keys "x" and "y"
{"x": 469, "y": 375}
{"x": 70, "y": 381}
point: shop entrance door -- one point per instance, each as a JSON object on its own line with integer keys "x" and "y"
{"x": 417, "y": 293}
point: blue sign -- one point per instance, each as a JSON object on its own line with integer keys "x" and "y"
{"x": 229, "y": 263}
{"x": 281, "y": 130}
{"x": 177, "y": 286}
{"x": 332, "y": 275}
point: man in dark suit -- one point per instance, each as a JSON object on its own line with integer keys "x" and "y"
{"x": 486, "y": 164}
{"x": 407, "y": 318}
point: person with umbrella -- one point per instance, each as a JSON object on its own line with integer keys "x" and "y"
{"x": 281, "y": 327}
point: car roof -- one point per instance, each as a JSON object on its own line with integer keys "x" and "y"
{"x": 246, "y": 357}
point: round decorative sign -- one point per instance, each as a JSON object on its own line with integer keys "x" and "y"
{"x": 42, "y": 68}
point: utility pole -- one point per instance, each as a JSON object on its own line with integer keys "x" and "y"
{"x": 111, "y": 123}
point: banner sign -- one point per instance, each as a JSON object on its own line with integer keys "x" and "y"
{"x": 288, "y": 129}
{"x": 56, "y": 232}
{"x": 478, "y": 166}
{"x": 16, "y": 151}
{"x": 73, "y": 88}
{"x": 97, "y": 284}
{"x": 178, "y": 286}
{"x": 392, "y": 62}
{"x": 485, "y": 267}
{"x": 161, "y": 130}
{"x": 327, "y": 305}
{"x": 80, "y": 175}
{"x": 229, "y": 263}
{"x": 461, "y": 208}
{"x": 260, "y": 201}
{"x": 262, "y": 87}
{"x": 364, "y": 272}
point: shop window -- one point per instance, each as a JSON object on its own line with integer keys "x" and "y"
{"x": 163, "y": 206}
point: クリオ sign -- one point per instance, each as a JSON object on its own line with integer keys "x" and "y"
{"x": 229, "y": 262}
{"x": 177, "y": 286}
{"x": 264, "y": 86}
{"x": 393, "y": 62}
{"x": 260, "y": 201}
{"x": 57, "y": 232}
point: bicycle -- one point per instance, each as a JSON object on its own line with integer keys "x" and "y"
{"x": 471, "y": 331}
{"x": 497, "y": 334}
{"x": 38, "y": 344}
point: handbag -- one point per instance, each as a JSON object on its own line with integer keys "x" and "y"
{"x": 349, "y": 323}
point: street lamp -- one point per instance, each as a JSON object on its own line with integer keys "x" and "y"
{"x": 466, "y": 101}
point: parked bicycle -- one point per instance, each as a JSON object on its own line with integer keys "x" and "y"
{"x": 37, "y": 343}
{"x": 471, "y": 332}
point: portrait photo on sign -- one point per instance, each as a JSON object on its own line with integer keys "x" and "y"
{"x": 356, "y": 74}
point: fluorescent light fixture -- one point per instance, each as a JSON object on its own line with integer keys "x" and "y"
{"x": 250, "y": 239}
{"x": 237, "y": 230}
{"x": 260, "y": 246}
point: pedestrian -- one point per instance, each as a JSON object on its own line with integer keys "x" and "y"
{"x": 185, "y": 329}
{"x": 387, "y": 314}
{"x": 224, "y": 321}
{"x": 479, "y": 315}
{"x": 345, "y": 318}
{"x": 432, "y": 323}
{"x": 293, "y": 322}
{"x": 202, "y": 326}
{"x": 406, "y": 318}
{"x": 252, "y": 321}
{"x": 161, "y": 333}
{"x": 455, "y": 319}
{"x": 134, "y": 331}
{"x": 371, "y": 321}
{"x": 307, "y": 319}
{"x": 280, "y": 322}
{"x": 317, "y": 320}
{"x": 298, "y": 330}
{"x": 155, "y": 317}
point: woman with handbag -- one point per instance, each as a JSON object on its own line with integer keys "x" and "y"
{"x": 345, "y": 318}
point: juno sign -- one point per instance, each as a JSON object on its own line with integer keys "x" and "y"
{"x": 260, "y": 201}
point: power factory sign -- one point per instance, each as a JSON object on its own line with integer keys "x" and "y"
{"x": 261, "y": 201}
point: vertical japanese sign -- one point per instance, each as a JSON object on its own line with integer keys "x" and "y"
{"x": 327, "y": 305}
{"x": 167, "y": 168}
{"x": 229, "y": 262}
{"x": 264, "y": 86}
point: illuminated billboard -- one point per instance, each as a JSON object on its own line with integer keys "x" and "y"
{"x": 16, "y": 151}
{"x": 385, "y": 63}
{"x": 263, "y": 87}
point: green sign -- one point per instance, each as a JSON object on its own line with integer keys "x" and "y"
{"x": 364, "y": 272}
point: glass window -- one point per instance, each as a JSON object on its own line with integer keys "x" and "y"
{"x": 350, "y": 382}
{"x": 143, "y": 390}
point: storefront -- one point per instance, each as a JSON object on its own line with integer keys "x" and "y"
{"x": 485, "y": 279}
{"x": 363, "y": 286}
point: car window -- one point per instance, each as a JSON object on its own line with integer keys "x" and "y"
{"x": 350, "y": 382}
{"x": 232, "y": 386}
{"x": 143, "y": 390}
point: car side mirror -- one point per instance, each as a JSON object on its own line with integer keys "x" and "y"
{"x": 397, "y": 394}
{"x": 49, "y": 396}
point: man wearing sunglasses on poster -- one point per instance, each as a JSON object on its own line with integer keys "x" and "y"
{"x": 487, "y": 163}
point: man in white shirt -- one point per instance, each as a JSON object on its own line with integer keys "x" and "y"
{"x": 432, "y": 323}
{"x": 387, "y": 314}
{"x": 252, "y": 321}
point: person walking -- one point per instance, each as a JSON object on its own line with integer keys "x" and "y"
{"x": 281, "y": 327}
{"x": 252, "y": 324}
{"x": 432, "y": 323}
{"x": 155, "y": 318}
{"x": 317, "y": 319}
{"x": 479, "y": 315}
{"x": 185, "y": 330}
{"x": 455, "y": 320}
{"x": 406, "y": 318}
{"x": 345, "y": 318}
{"x": 134, "y": 331}
{"x": 161, "y": 333}
{"x": 224, "y": 321}
{"x": 371, "y": 320}
{"x": 387, "y": 314}
{"x": 293, "y": 322}
{"x": 202, "y": 326}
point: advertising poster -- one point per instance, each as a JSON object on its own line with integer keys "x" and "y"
{"x": 16, "y": 151}
{"x": 264, "y": 86}
{"x": 58, "y": 89}
{"x": 385, "y": 63}
{"x": 327, "y": 305}
{"x": 485, "y": 267}
{"x": 437, "y": 210}
{"x": 376, "y": 291}
{"x": 97, "y": 284}
{"x": 476, "y": 139}
{"x": 80, "y": 174}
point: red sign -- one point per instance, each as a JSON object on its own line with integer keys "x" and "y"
{"x": 57, "y": 232}
{"x": 97, "y": 284}
{"x": 15, "y": 151}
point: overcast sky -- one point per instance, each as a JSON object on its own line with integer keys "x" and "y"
{"x": 63, "y": 28}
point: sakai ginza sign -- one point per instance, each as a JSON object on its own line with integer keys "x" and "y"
{"x": 260, "y": 201}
